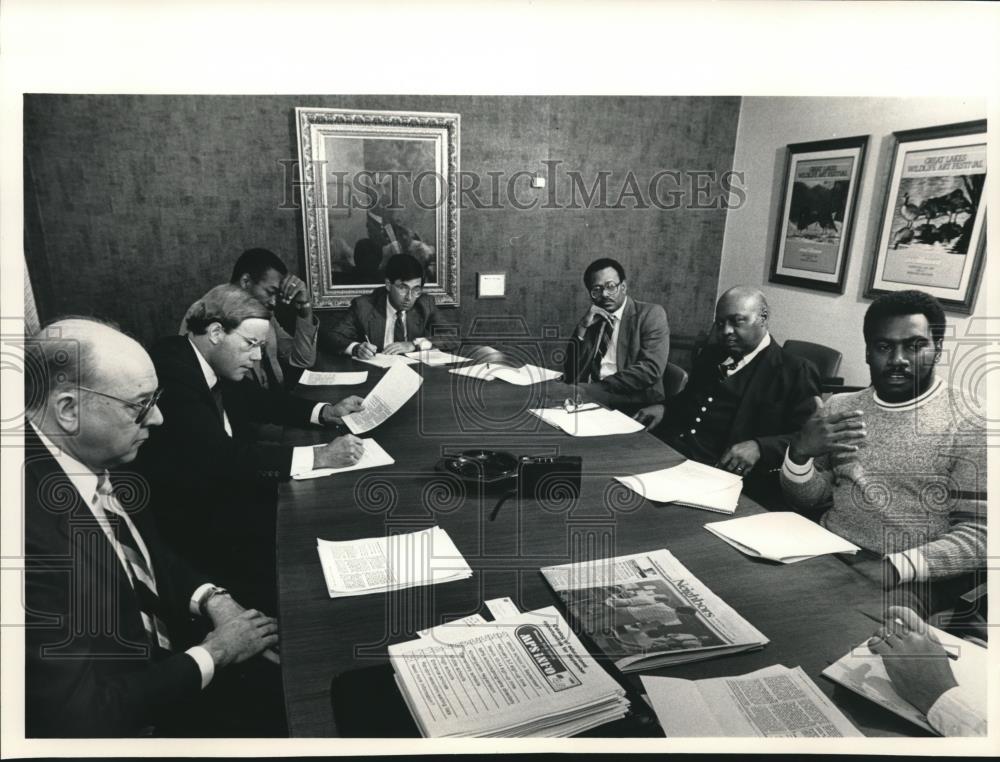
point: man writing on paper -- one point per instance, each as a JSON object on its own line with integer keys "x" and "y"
{"x": 619, "y": 347}
{"x": 264, "y": 276}
{"x": 744, "y": 399}
{"x": 107, "y": 607}
{"x": 204, "y": 466}
{"x": 393, "y": 319}
{"x": 900, "y": 467}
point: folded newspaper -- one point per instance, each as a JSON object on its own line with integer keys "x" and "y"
{"x": 379, "y": 564}
{"x": 772, "y": 702}
{"x": 526, "y": 675}
{"x": 646, "y": 611}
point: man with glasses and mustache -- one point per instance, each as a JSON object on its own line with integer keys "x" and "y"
{"x": 107, "y": 608}
{"x": 393, "y": 319}
{"x": 899, "y": 468}
{"x": 619, "y": 347}
{"x": 744, "y": 398}
{"x": 205, "y": 466}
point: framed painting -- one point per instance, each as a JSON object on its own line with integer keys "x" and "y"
{"x": 375, "y": 184}
{"x": 932, "y": 233}
{"x": 816, "y": 215}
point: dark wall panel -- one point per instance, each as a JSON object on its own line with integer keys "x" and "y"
{"x": 143, "y": 202}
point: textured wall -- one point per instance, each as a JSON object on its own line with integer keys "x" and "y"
{"x": 139, "y": 203}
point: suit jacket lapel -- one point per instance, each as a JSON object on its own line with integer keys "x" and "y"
{"x": 377, "y": 320}
{"x": 626, "y": 332}
{"x": 197, "y": 378}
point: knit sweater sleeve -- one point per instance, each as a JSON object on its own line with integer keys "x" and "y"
{"x": 810, "y": 486}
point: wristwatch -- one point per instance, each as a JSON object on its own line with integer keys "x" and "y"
{"x": 209, "y": 595}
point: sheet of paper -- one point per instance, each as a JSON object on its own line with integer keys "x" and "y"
{"x": 435, "y": 357}
{"x": 780, "y": 536}
{"x": 466, "y": 621}
{"x": 501, "y": 608}
{"x": 387, "y": 361}
{"x": 524, "y": 376}
{"x": 592, "y": 422}
{"x": 689, "y": 483}
{"x": 771, "y": 702}
{"x": 373, "y": 457}
{"x": 392, "y": 391}
{"x": 333, "y": 378}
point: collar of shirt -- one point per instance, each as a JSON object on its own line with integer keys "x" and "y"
{"x": 916, "y": 402}
{"x": 748, "y": 358}
{"x": 80, "y": 475}
{"x": 210, "y": 378}
{"x": 619, "y": 312}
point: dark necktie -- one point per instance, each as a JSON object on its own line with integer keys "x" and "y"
{"x": 399, "y": 329}
{"x": 217, "y": 397}
{"x": 607, "y": 329}
{"x": 139, "y": 571}
{"x": 271, "y": 378}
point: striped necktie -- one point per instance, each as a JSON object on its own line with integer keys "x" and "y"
{"x": 607, "y": 330}
{"x": 140, "y": 572}
{"x": 399, "y": 329}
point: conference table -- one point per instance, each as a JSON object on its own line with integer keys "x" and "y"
{"x": 335, "y": 667}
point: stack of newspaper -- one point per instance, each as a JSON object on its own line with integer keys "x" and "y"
{"x": 646, "y": 611}
{"x": 379, "y": 564}
{"x": 521, "y": 676}
{"x": 772, "y": 702}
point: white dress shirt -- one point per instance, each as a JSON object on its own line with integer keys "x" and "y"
{"x": 732, "y": 366}
{"x": 85, "y": 481}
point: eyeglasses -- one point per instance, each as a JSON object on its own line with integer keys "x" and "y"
{"x": 145, "y": 408}
{"x": 252, "y": 344}
{"x": 610, "y": 288}
{"x": 408, "y": 290}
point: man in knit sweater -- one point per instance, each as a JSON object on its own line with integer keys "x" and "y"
{"x": 900, "y": 467}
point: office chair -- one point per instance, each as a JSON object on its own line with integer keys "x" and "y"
{"x": 674, "y": 380}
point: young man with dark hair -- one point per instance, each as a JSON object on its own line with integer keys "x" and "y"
{"x": 619, "y": 347}
{"x": 900, "y": 467}
{"x": 395, "y": 318}
{"x": 262, "y": 274}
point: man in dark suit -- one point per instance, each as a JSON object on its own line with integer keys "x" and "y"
{"x": 745, "y": 397}
{"x": 107, "y": 606}
{"x": 393, "y": 319}
{"x": 204, "y": 465}
{"x": 619, "y": 348}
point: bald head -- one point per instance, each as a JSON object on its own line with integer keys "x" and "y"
{"x": 741, "y": 319}
{"x": 85, "y": 384}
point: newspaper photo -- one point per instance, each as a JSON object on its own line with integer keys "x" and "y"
{"x": 647, "y": 610}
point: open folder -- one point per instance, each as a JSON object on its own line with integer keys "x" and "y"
{"x": 691, "y": 484}
{"x": 780, "y": 536}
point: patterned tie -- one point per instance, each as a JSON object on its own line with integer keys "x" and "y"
{"x": 399, "y": 329}
{"x": 139, "y": 571}
{"x": 607, "y": 329}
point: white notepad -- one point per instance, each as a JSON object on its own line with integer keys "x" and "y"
{"x": 373, "y": 457}
{"x": 333, "y": 378}
{"x": 780, "y": 536}
{"x": 590, "y": 422}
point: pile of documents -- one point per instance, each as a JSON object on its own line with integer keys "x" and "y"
{"x": 392, "y": 391}
{"x": 692, "y": 484}
{"x": 522, "y": 676}
{"x": 588, "y": 421}
{"x": 381, "y": 360}
{"x": 523, "y": 376}
{"x": 647, "y": 610}
{"x": 380, "y": 564}
{"x": 772, "y": 702}
{"x": 435, "y": 357}
{"x": 863, "y": 672}
{"x": 780, "y": 536}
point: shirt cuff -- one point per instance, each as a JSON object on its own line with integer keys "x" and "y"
{"x": 194, "y": 605}
{"x": 795, "y": 472}
{"x": 206, "y": 665}
{"x": 314, "y": 417}
{"x": 910, "y": 564}
{"x": 302, "y": 461}
{"x": 350, "y": 348}
{"x": 952, "y": 715}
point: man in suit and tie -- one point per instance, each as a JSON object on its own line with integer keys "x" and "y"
{"x": 745, "y": 397}
{"x": 264, "y": 276}
{"x": 395, "y": 318}
{"x": 108, "y": 608}
{"x": 204, "y": 464}
{"x": 619, "y": 348}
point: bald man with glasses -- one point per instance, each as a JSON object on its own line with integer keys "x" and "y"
{"x": 620, "y": 346}
{"x": 205, "y": 465}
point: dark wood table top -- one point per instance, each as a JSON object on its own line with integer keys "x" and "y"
{"x": 333, "y": 651}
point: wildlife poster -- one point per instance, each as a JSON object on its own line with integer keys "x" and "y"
{"x": 820, "y": 188}
{"x": 933, "y": 225}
